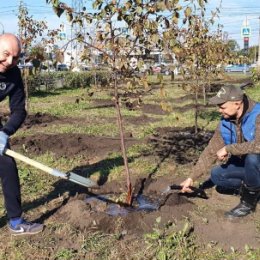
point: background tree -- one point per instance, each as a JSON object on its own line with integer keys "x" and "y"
{"x": 29, "y": 30}
{"x": 37, "y": 55}
{"x": 233, "y": 46}
{"x": 202, "y": 56}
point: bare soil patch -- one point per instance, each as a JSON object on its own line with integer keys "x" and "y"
{"x": 153, "y": 109}
{"x": 69, "y": 145}
{"x": 181, "y": 145}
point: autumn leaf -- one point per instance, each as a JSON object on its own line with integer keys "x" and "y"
{"x": 188, "y": 12}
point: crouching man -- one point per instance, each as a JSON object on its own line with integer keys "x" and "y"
{"x": 236, "y": 144}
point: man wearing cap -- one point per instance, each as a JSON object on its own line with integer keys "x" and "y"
{"x": 236, "y": 145}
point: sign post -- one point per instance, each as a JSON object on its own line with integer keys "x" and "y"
{"x": 245, "y": 34}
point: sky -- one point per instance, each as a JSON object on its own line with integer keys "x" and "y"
{"x": 233, "y": 14}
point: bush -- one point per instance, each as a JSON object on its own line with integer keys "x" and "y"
{"x": 66, "y": 79}
{"x": 256, "y": 74}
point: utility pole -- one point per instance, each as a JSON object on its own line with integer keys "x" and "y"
{"x": 3, "y": 28}
{"x": 258, "y": 61}
{"x": 77, "y": 6}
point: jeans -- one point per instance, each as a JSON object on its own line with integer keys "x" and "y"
{"x": 237, "y": 170}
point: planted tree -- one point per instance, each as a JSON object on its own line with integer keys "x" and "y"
{"x": 125, "y": 29}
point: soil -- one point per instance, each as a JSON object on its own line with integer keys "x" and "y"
{"x": 101, "y": 213}
{"x": 69, "y": 145}
{"x": 88, "y": 209}
{"x": 179, "y": 145}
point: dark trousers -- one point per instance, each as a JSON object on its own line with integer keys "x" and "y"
{"x": 238, "y": 170}
{"x": 10, "y": 186}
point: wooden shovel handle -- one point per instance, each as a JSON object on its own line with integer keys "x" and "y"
{"x": 35, "y": 164}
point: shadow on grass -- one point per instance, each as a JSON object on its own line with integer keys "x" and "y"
{"x": 145, "y": 182}
{"x": 104, "y": 168}
{"x": 43, "y": 94}
{"x": 100, "y": 106}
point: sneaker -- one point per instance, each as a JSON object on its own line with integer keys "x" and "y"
{"x": 25, "y": 228}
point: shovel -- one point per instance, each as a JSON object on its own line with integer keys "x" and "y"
{"x": 70, "y": 176}
{"x": 198, "y": 192}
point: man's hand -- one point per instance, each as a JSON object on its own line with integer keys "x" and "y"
{"x": 222, "y": 154}
{"x": 186, "y": 184}
{"x": 3, "y": 142}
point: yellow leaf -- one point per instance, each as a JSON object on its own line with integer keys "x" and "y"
{"x": 188, "y": 12}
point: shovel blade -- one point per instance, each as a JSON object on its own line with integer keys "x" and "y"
{"x": 81, "y": 180}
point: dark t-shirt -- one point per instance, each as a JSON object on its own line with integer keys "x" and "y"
{"x": 11, "y": 85}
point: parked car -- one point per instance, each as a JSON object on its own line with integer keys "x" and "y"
{"x": 162, "y": 68}
{"x": 253, "y": 65}
{"x": 62, "y": 67}
{"x": 237, "y": 68}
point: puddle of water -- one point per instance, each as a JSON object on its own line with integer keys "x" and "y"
{"x": 116, "y": 210}
{"x": 142, "y": 203}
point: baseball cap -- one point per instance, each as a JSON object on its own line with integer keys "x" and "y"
{"x": 227, "y": 93}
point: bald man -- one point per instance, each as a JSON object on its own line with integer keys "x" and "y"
{"x": 11, "y": 86}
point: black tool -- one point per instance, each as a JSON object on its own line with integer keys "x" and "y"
{"x": 196, "y": 192}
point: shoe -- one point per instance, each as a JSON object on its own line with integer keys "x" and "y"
{"x": 25, "y": 228}
{"x": 247, "y": 203}
{"x": 241, "y": 210}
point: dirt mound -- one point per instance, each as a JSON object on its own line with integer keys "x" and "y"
{"x": 38, "y": 118}
{"x": 100, "y": 213}
{"x": 104, "y": 210}
{"x": 69, "y": 145}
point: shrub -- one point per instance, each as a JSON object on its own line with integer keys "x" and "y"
{"x": 256, "y": 74}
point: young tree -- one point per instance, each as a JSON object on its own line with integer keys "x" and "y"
{"x": 131, "y": 28}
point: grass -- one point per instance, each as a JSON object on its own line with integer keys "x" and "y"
{"x": 42, "y": 193}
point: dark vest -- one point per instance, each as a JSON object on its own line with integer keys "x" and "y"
{"x": 228, "y": 129}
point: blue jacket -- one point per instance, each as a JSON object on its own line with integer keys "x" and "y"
{"x": 228, "y": 129}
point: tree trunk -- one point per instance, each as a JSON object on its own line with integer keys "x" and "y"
{"x": 196, "y": 108}
{"x": 123, "y": 147}
{"x": 26, "y": 88}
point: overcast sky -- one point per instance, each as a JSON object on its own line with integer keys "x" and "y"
{"x": 233, "y": 14}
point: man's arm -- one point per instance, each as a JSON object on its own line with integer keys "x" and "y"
{"x": 207, "y": 158}
{"x": 17, "y": 107}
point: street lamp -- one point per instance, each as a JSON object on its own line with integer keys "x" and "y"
{"x": 3, "y": 28}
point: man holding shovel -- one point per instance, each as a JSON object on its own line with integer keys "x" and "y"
{"x": 236, "y": 145}
{"x": 11, "y": 86}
